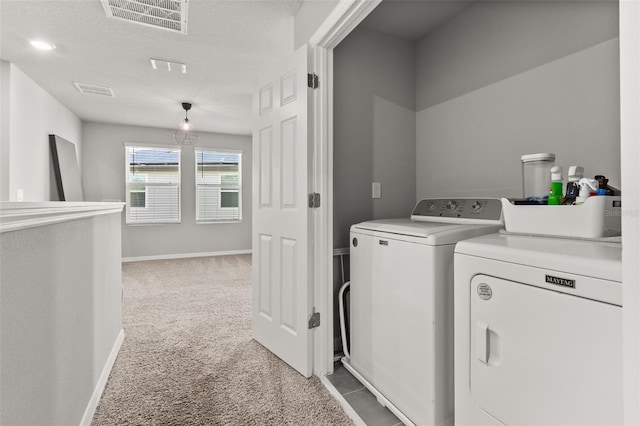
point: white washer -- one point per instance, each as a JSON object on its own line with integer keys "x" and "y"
{"x": 538, "y": 331}
{"x": 401, "y": 304}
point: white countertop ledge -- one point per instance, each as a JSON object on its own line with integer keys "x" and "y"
{"x": 23, "y": 215}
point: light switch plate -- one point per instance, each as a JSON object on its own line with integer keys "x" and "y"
{"x": 376, "y": 190}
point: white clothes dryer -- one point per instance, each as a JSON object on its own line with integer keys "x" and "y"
{"x": 401, "y": 304}
{"x": 538, "y": 331}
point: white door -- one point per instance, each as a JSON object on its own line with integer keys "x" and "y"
{"x": 282, "y": 266}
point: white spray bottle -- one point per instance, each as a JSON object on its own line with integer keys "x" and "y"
{"x": 587, "y": 185}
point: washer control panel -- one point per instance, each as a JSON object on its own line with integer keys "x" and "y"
{"x": 485, "y": 209}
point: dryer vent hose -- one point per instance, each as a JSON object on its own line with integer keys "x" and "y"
{"x": 343, "y": 328}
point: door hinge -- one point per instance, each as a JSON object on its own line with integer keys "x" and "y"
{"x": 312, "y": 80}
{"x": 314, "y": 200}
{"x": 314, "y": 321}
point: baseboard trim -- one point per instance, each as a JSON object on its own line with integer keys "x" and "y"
{"x": 184, "y": 255}
{"x": 102, "y": 382}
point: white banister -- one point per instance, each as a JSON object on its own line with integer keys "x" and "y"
{"x": 23, "y": 215}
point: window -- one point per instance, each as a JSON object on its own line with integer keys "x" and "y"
{"x": 138, "y": 191}
{"x": 218, "y": 186}
{"x": 153, "y": 184}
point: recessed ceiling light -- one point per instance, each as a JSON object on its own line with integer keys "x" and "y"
{"x": 42, "y": 45}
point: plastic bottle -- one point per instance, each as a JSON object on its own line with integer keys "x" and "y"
{"x": 603, "y": 185}
{"x": 555, "y": 192}
{"x": 573, "y": 190}
{"x": 588, "y": 187}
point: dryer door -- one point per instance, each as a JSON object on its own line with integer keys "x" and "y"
{"x": 539, "y": 357}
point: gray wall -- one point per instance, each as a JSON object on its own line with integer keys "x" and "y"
{"x": 492, "y": 41}
{"x": 502, "y": 79}
{"x": 374, "y": 129}
{"x": 499, "y": 80}
{"x": 60, "y": 316}
{"x": 103, "y": 178}
{"x": 496, "y": 81}
{"x": 374, "y": 138}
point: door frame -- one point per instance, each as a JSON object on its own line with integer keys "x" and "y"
{"x": 346, "y": 15}
{"x": 630, "y": 158}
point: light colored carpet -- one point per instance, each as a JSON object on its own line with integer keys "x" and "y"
{"x": 188, "y": 357}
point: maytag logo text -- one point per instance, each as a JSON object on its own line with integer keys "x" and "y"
{"x": 560, "y": 281}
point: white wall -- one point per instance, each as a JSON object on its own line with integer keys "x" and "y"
{"x": 33, "y": 114}
{"x": 309, "y": 17}
{"x": 103, "y": 178}
{"x": 503, "y": 79}
{"x": 374, "y": 129}
{"x": 60, "y": 318}
{"x": 4, "y": 130}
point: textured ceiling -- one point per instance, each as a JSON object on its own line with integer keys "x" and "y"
{"x": 228, "y": 42}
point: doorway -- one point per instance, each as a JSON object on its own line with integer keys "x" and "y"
{"x": 438, "y": 184}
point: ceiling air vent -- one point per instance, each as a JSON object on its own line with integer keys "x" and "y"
{"x": 165, "y": 14}
{"x": 160, "y": 64}
{"x": 91, "y": 89}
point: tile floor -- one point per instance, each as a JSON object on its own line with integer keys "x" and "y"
{"x": 361, "y": 400}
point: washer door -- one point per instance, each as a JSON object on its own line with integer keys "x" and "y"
{"x": 539, "y": 357}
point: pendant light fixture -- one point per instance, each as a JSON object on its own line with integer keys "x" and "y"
{"x": 185, "y": 134}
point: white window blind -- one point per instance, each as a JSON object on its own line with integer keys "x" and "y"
{"x": 153, "y": 184}
{"x": 218, "y": 186}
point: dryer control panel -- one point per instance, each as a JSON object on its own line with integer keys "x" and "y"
{"x": 483, "y": 210}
